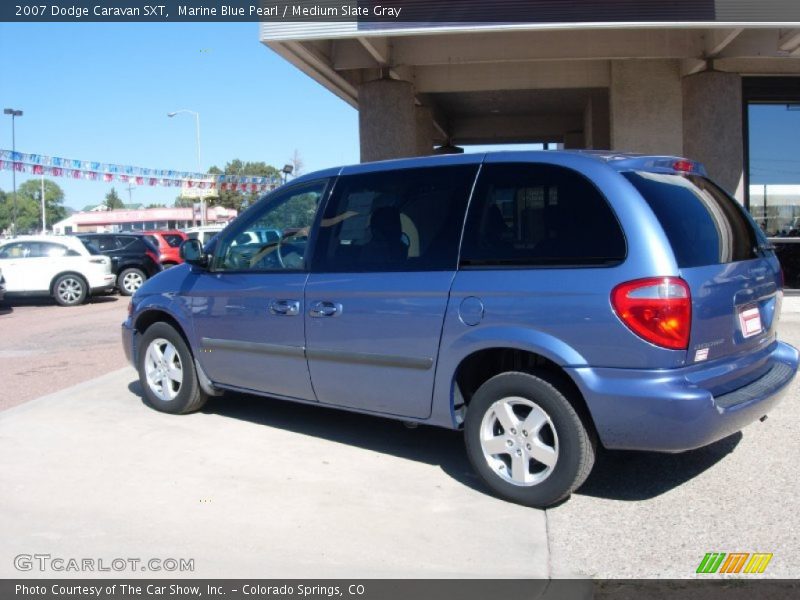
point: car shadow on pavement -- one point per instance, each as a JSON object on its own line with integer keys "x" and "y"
{"x": 47, "y": 301}
{"x": 429, "y": 445}
{"x": 5, "y": 309}
{"x": 631, "y": 476}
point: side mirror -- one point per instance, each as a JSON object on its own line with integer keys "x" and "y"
{"x": 192, "y": 252}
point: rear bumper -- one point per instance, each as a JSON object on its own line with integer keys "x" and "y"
{"x": 102, "y": 283}
{"x": 682, "y": 409}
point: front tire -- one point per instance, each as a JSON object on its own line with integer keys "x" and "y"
{"x": 526, "y": 440}
{"x": 167, "y": 372}
{"x": 130, "y": 280}
{"x": 70, "y": 290}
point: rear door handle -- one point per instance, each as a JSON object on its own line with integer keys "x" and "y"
{"x": 285, "y": 308}
{"x": 325, "y": 309}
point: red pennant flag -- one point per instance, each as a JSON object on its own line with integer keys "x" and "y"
{"x": 140, "y": 181}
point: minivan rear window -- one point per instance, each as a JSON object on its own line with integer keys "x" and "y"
{"x": 703, "y": 224}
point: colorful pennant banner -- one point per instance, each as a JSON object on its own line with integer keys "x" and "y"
{"x": 53, "y": 166}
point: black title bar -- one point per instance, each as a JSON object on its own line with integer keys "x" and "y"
{"x": 406, "y": 11}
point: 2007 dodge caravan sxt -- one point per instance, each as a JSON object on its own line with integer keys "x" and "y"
{"x": 544, "y": 302}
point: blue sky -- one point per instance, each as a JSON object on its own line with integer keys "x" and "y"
{"x": 101, "y": 92}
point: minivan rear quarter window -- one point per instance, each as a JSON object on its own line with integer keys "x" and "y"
{"x": 525, "y": 214}
{"x": 703, "y": 224}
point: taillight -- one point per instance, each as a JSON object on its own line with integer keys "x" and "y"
{"x": 658, "y": 309}
{"x": 153, "y": 256}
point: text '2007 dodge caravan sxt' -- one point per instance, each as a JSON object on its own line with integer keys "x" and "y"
{"x": 544, "y": 302}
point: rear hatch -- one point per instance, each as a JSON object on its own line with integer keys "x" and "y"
{"x": 734, "y": 277}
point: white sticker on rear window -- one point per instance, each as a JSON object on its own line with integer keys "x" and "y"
{"x": 701, "y": 355}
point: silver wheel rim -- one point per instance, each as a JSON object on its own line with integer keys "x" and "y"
{"x": 69, "y": 290}
{"x": 163, "y": 369}
{"x": 132, "y": 282}
{"x": 519, "y": 441}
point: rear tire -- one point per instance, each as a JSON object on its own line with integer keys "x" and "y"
{"x": 130, "y": 280}
{"x": 167, "y": 372}
{"x": 70, "y": 290}
{"x": 526, "y": 440}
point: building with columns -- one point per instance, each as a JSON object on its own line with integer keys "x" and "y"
{"x": 678, "y": 88}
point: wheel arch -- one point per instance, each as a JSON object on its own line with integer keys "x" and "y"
{"x": 151, "y": 316}
{"x": 77, "y": 274}
{"x": 479, "y": 366}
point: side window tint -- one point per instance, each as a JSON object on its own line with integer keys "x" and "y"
{"x": 291, "y": 212}
{"x": 52, "y": 250}
{"x": 406, "y": 220}
{"x": 124, "y": 242}
{"x": 15, "y": 251}
{"x": 536, "y": 214}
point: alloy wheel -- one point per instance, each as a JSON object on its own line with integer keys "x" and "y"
{"x": 519, "y": 441}
{"x": 163, "y": 369}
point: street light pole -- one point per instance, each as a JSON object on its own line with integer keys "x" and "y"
{"x": 14, "y": 114}
{"x": 199, "y": 162}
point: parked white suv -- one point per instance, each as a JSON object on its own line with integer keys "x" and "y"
{"x": 203, "y": 232}
{"x": 58, "y": 266}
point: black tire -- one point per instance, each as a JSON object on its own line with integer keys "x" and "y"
{"x": 188, "y": 396}
{"x": 129, "y": 280}
{"x": 70, "y": 289}
{"x": 564, "y": 436}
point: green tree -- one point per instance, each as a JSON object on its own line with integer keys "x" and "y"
{"x": 240, "y": 200}
{"x": 113, "y": 200}
{"x": 29, "y": 205}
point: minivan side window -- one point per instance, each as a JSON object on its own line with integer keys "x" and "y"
{"x": 529, "y": 214}
{"x": 403, "y": 220}
{"x": 290, "y": 212}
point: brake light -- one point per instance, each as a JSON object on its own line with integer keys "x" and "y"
{"x": 683, "y": 166}
{"x": 657, "y": 309}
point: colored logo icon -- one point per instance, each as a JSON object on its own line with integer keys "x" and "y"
{"x": 734, "y": 562}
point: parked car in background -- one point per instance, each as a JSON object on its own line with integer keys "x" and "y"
{"x": 168, "y": 243}
{"x": 134, "y": 259}
{"x": 203, "y": 233}
{"x": 59, "y": 266}
{"x": 2, "y": 286}
{"x": 544, "y": 303}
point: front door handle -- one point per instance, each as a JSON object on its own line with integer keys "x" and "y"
{"x": 285, "y": 308}
{"x": 325, "y": 309}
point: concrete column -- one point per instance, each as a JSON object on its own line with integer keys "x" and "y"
{"x": 387, "y": 120}
{"x": 424, "y": 130}
{"x": 712, "y": 127}
{"x": 596, "y": 123}
{"x": 646, "y": 106}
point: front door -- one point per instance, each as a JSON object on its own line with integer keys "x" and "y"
{"x": 248, "y": 307}
{"x": 385, "y": 257}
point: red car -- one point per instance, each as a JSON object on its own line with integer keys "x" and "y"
{"x": 168, "y": 243}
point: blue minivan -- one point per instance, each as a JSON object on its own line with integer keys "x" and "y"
{"x": 543, "y": 302}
